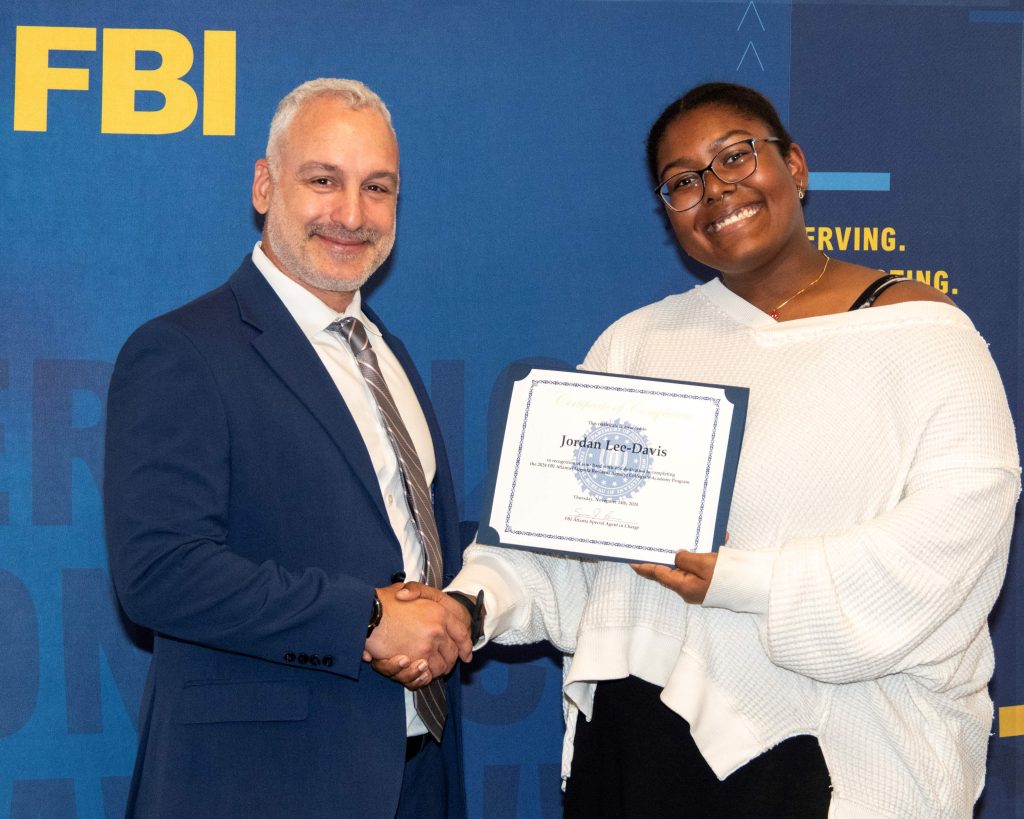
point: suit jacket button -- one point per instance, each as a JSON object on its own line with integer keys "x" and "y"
{"x": 289, "y": 657}
{"x": 314, "y": 660}
{"x": 328, "y": 661}
{"x": 398, "y": 577}
{"x": 304, "y": 659}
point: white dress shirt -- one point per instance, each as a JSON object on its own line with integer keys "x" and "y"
{"x": 313, "y": 318}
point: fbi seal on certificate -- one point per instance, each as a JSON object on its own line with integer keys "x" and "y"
{"x": 613, "y": 460}
{"x": 613, "y": 467}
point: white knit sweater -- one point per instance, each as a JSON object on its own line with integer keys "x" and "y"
{"x": 869, "y": 533}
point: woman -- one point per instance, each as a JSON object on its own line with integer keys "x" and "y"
{"x": 833, "y": 658}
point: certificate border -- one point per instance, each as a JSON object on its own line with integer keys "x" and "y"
{"x": 519, "y": 453}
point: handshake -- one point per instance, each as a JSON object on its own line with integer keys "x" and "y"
{"x": 421, "y": 633}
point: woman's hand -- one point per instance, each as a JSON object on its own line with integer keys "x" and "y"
{"x": 689, "y": 579}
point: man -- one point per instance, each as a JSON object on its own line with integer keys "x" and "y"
{"x": 263, "y": 502}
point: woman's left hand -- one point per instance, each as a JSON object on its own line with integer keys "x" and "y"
{"x": 689, "y": 579}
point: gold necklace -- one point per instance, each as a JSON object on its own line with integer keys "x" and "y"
{"x": 775, "y": 313}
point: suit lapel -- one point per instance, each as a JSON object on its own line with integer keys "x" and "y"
{"x": 287, "y": 352}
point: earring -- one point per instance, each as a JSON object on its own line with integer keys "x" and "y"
{"x": 799, "y": 193}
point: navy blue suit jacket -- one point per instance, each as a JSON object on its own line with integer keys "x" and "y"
{"x": 246, "y": 527}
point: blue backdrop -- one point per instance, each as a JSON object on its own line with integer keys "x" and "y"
{"x": 526, "y": 225}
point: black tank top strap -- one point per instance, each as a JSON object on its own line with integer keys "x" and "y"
{"x": 874, "y": 290}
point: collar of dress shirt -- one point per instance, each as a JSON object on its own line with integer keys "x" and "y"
{"x": 311, "y": 314}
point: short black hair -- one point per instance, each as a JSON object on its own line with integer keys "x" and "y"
{"x": 740, "y": 98}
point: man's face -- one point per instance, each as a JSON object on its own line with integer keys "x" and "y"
{"x": 330, "y": 198}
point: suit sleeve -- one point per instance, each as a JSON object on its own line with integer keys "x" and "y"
{"x": 166, "y": 491}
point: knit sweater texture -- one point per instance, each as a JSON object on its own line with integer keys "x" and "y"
{"x": 869, "y": 533}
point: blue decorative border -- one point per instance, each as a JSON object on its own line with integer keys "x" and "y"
{"x": 519, "y": 454}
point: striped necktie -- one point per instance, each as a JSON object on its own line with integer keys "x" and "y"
{"x": 429, "y": 700}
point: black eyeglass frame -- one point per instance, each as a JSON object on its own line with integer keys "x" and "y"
{"x": 662, "y": 189}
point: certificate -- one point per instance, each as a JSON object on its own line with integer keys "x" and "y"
{"x": 613, "y": 467}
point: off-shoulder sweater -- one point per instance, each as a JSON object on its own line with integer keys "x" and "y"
{"x": 869, "y": 533}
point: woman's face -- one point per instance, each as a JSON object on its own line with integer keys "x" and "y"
{"x": 744, "y": 225}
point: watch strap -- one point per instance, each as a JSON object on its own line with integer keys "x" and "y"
{"x": 476, "y": 609}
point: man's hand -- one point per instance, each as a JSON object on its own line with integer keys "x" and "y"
{"x": 420, "y": 625}
{"x": 690, "y": 578}
{"x": 404, "y": 671}
{"x": 416, "y": 674}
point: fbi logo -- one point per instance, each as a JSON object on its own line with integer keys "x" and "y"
{"x": 618, "y": 466}
{"x": 35, "y": 76}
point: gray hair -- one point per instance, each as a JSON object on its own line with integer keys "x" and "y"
{"x": 352, "y": 93}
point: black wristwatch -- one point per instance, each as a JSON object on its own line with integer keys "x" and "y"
{"x": 375, "y": 615}
{"x": 476, "y": 610}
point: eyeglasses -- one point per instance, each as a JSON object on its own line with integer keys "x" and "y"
{"x": 733, "y": 163}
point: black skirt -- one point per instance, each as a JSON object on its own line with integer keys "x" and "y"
{"x": 636, "y": 758}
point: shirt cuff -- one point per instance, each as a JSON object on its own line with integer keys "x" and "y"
{"x": 741, "y": 581}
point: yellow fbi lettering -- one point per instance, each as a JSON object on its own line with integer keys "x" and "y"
{"x": 35, "y": 77}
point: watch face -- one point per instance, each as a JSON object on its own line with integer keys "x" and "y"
{"x": 376, "y": 613}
